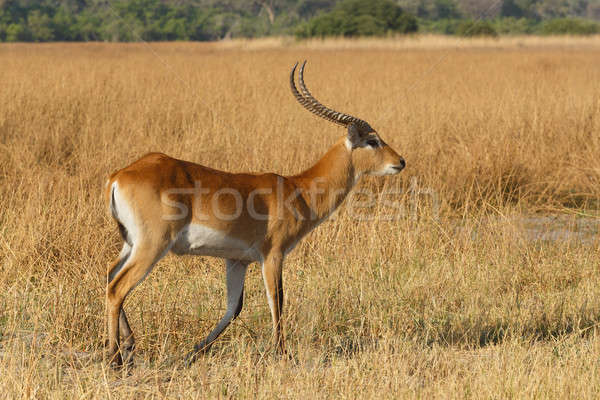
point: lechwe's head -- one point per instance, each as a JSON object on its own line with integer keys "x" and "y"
{"x": 370, "y": 154}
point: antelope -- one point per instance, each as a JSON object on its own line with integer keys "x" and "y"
{"x": 163, "y": 204}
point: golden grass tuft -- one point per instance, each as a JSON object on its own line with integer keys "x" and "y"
{"x": 485, "y": 284}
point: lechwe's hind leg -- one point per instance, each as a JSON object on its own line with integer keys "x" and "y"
{"x": 142, "y": 257}
{"x": 236, "y": 273}
{"x": 128, "y": 345}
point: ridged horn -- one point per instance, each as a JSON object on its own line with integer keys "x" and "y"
{"x": 307, "y": 101}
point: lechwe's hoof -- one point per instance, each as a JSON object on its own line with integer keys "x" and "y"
{"x": 193, "y": 355}
{"x": 113, "y": 359}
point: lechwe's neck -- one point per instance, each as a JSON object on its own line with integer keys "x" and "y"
{"x": 326, "y": 184}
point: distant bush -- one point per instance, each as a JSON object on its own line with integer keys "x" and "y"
{"x": 442, "y": 26}
{"x": 510, "y": 26}
{"x": 514, "y": 26}
{"x": 16, "y": 32}
{"x": 407, "y": 23}
{"x": 476, "y": 28}
{"x": 568, "y": 26}
{"x": 360, "y": 18}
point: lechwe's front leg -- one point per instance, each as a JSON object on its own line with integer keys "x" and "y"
{"x": 236, "y": 274}
{"x": 272, "y": 271}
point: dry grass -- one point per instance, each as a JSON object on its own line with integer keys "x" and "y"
{"x": 470, "y": 302}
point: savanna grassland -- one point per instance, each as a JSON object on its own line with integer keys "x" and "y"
{"x": 478, "y": 277}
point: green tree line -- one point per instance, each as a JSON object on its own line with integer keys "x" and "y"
{"x": 157, "y": 20}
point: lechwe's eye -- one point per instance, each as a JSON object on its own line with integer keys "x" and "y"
{"x": 373, "y": 142}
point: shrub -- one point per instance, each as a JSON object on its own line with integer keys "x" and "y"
{"x": 40, "y": 26}
{"x": 514, "y": 26}
{"x": 406, "y": 23}
{"x": 360, "y": 18}
{"x": 17, "y": 32}
{"x": 568, "y": 26}
{"x": 442, "y": 26}
{"x": 476, "y": 28}
{"x": 364, "y": 25}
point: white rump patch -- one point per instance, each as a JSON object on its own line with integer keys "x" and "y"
{"x": 124, "y": 213}
{"x": 202, "y": 240}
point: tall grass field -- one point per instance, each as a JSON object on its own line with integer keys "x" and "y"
{"x": 472, "y": 274}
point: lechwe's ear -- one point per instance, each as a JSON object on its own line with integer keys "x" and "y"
{"x": 354, "y": 136}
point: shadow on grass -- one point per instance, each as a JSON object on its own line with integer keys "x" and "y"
{"x": 479, "y": 336}
{"x": 493, "y": 334}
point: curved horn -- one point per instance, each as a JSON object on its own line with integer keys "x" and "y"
{"x": 313, "y": 105}
{"x": 295, "y": 92}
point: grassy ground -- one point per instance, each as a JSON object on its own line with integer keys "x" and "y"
{"x": 468, "y": 291}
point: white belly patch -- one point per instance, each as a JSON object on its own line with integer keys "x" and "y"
{"x": 201, "y": 240}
